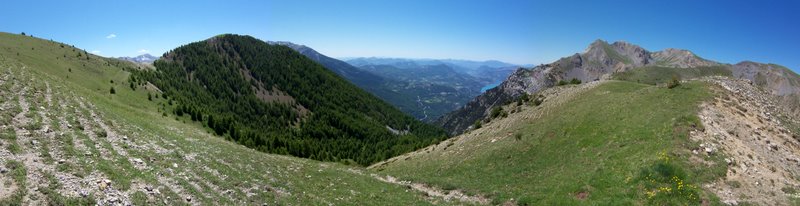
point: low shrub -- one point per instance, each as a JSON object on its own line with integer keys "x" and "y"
{"x": 674, "y": 82}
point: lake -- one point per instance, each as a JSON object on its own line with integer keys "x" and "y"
{"x": 490, "y": 86}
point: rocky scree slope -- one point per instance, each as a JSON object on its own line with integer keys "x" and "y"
{"x": 749, "y": 126}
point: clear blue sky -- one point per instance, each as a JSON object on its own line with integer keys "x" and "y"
{"x": 513, "y": 31}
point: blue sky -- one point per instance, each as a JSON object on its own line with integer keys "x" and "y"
{"x": 514, "y": 31}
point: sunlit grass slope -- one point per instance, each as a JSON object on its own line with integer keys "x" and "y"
{"x": 619, "y": 143}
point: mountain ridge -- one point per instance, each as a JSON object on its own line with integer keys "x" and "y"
{"x": 602, "y": 60}
{"x": 144, "y": 58}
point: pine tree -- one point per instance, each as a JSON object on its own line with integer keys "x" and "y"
{"x": 211, "y": 123}
{"x": 179, "y": 111}
{"x": 193, "y": 113}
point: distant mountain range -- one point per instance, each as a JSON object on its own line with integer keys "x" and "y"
{"x": 622, "y": 60}
{"x": 144, "y": 58}
{"x": 423, "y": 88}
{"x": 440, "y": 86}
{"x": 496, "y": 70}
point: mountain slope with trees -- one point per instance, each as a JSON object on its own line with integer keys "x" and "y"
{"x": 274, "y": 99}
{"x": 66, "y": 140}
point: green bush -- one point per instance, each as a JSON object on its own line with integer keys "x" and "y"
{"x": 102, "y": 133}
{"x": 477, "y": 124}
{"x": 538, "y": 100}
{"x": 571, "y": 81}
{"x": 675, "y": 82}
{"x": 497, "y": 112}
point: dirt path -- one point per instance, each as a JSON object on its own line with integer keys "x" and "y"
{"x": 34, "y": 177}
{"x": 111, "y": 135}
{"x": 38, "y": 140}
{"x": 8, "y": 186}
{"x": 447, "y": 195}
{"x": 88, "y": 130}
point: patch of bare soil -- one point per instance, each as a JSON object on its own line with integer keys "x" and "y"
{"x": 763, "y": 158}
{"x": 447, "y": 195}
{"x": 582, "y": 195}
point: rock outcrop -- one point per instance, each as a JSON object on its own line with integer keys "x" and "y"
{"x": 680, "y": 58}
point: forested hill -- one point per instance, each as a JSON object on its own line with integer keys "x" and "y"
{"x": 274, "y": 99}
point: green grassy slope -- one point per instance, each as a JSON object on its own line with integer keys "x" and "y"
{"x": 181, "y": 158}
{"x": 657, "y": 75}
{"x": 601, "y": 147}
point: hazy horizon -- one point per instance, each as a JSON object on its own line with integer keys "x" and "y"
{"x": 518, "y": 32}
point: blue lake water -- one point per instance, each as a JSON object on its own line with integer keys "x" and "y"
{"x": 490, "y": 86}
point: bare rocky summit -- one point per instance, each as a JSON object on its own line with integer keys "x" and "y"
{"x": 680, "y": 58}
